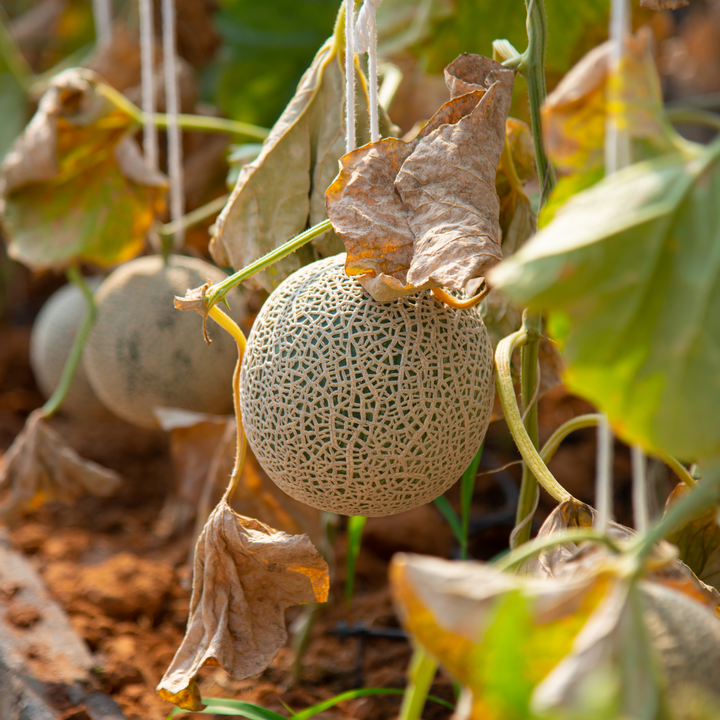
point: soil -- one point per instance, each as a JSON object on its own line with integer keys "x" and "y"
{"x": 127, "y": 589}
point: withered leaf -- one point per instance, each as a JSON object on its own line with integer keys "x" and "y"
{"x": 282, "y": 192}
{"x": 74, "y": 185}
{"x": 698, "y": 541}
{"x": 425, "y": 213}
{"x": 245, "y": 575}
{"x": 574, "y": 114}
{"x": 39, "y": 467}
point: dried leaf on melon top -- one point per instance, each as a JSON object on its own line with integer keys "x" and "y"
{"x": 425, "y": 213}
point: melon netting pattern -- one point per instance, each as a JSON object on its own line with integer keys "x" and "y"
{"x": 360, "y": 407}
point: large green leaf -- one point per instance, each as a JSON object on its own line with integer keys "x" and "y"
{"x": 266, "y": 48}
{"x": 631, "y": 269}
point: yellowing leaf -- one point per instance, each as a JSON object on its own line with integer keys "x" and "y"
{"x": 74, "y": 184}
{"x": 282, "y": 192}
{"x": 39, "y": 467}
{"x": 245, "y": 575}
{"x": 574, "y": 114}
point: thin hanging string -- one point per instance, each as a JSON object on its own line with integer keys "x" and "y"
{"x": 102, "y": 17}
{"x": 617, "y": 141}
{"x": 366, "y": 41}
{"x": 174, "y": 136}
{"x": 147, "y": 69}
{"x": 617, "y": 156}
{"x": 349, "y": 75}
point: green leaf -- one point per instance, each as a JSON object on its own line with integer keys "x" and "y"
{"x": 634, "y": 263}
{"x": 447, "y": 511}
{"x": 265, "y": 49}
{"x": 474, "y": 25}
{"x": 238, "y": 708}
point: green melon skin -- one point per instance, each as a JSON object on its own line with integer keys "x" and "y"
{"x": 359, "y": 407}
{"x": 144, "y": 354}
{"x": 52, "y": 336}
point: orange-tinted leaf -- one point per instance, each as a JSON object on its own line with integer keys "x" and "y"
{"x": 74, "y": 185}
{"x": 40, "y": 467}
{"x": 425, "y": 213}
{"x": 246, "y": 574}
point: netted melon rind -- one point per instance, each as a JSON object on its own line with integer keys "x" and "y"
{"x": 143, "y": 354}
{"x": 360, "y": 407}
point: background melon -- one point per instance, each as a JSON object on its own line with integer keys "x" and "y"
{"x": 143, "y": 353}
{"x": 52, "y": 337}
{"x": 361, "y": 407}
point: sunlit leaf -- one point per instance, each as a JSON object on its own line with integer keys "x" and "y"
{"x": 634, "y": 264}
{"x": 245, "y": 575}
{"x": 74, "y": 185}
{"x": 504, "y": 637}
{"x": 425, "y": 213}
{"x": 40, "y": 467}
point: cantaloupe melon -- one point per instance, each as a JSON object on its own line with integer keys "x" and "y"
{"x": 52, "y": 336}
{"x": 143, "y": 353}
{"x": 360, "y": 407}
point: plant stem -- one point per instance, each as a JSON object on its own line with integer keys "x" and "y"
{"x": 506, "y": 391}
{"x": 73, "y": 359}
{"x": 186, "y": 122}
{"x": 216, "y": 293}
{"x": 356, "y": 525}
{"x": 591, "y": 420}
{"x": 530, "y": 379}
{"x": 574, "y": 535}
{"x": 421, "y": 674}
{"x": 532, "y": 66}
{"x": 228, "y": 324}
{"x": 194, "y": 217}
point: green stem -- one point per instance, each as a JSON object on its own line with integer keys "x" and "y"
{"x": 693, "y": 116}
{"x": 506, "y": 391}
{"x": 355, "y": 527}
{"x": 572, "y": 535}
{"x": 591, "y": 420}
{"x": 216, "y": 293}
{"x": 421, "y": 674}
{"x": 194, "y": 217}
{"x": 532, "y": 66}
{"x": 186, "y": 122}
{"x": 530, "y": 379}
{"x": 73, "y": 359}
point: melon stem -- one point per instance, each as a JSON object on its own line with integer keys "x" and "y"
{"x": 506, "y": 391}
{"x": 56, "y": 400}
{"x": 216, "y": 293}
{"x": 229, "y": 325}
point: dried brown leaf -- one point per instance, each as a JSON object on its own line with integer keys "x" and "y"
{"x": 425, "y": 213}
{"x": 40, "y": 467}
{"x": 245, "y": 575}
